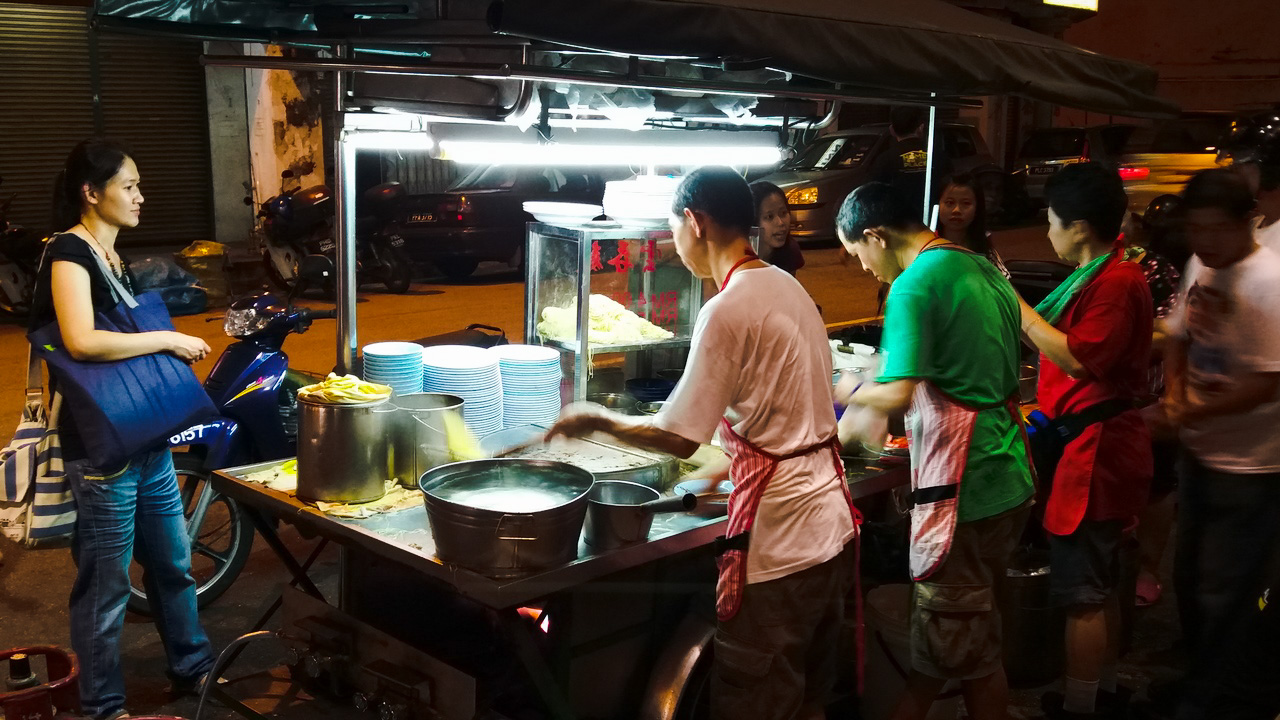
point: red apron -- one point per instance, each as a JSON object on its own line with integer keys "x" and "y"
{"x": 939, "y": 431}
{"x": 751, "y": 469}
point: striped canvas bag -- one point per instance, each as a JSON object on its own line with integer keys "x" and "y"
{"x": 36, "y": 505}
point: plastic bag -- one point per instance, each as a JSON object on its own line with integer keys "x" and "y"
{"x": 185, "y": 299}
{"x": 155, "y": 272}
{"x": 203, "y": 248}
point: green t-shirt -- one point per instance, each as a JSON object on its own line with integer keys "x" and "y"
{"x": 953, "y": 320}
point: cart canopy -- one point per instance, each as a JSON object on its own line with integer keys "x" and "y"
{"x": 880, "y": 48}
{"x": 886, "y": 46}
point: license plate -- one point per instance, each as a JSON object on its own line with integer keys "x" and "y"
{"x": 1044, "y": 170}
{"x": 396, "y": 241}
{"x": 327, "y": 246}
{"x": 422, "y": 218}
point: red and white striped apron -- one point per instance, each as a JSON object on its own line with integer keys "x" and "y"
{"x": 751, "y": 469}
{"x": 939, "y": 431}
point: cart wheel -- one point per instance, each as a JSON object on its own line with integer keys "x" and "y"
{"x": 220, "y": 546}
{"x": 695, "y": 701}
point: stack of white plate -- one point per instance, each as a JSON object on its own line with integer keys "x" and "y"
{"x": 472, "y": 374}
{"x": 644, "y": 201}
{"x": 530, "y": 384}
{"x": 398, "y": 364}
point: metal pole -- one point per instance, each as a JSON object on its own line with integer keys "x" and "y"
{"x": 928, "y": 167}
{"x": 507, "y": 71}
{"x": 344, "y": 178}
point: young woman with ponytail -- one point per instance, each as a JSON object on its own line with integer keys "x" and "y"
{"x": 136, "y": 507}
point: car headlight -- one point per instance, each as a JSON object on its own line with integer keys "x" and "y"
{"x": 802, "y": 196}
{"x": 242, "y": 323}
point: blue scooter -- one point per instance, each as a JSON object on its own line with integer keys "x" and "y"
{"x": 255, "y": 391}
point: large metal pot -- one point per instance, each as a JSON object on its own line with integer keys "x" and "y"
{"x": 343, "y": 451}
{"x": 418, "y": 439}
{"x": 506, "y": 517}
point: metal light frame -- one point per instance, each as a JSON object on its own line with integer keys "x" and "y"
{"x": 345, "y": 146}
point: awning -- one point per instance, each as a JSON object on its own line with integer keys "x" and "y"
{"x": 891, "y": 49}
{"x": 891, "y": 46}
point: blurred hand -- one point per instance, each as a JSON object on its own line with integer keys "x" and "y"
{"x": 849, "y": 381}
{"x": 578, "y": 420}
{"x": 863, "y": 425}
{"x": 186, "y": 347}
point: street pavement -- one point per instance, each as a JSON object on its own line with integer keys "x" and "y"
{"x": 34, "y": 585}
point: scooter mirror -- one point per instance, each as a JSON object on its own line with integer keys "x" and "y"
{"x": 315, "y": 269}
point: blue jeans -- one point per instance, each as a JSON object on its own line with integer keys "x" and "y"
{"x": 1227, "y": 539}
{"x": 138, "y": 507}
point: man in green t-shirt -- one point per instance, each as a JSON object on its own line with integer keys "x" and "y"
{"x": 950, "y": 346}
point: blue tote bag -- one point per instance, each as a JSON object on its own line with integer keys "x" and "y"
{"x": 123, "y": 407}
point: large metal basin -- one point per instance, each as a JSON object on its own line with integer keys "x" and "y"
{"x": 506, "y": 517}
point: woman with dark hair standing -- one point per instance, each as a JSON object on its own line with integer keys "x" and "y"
{"x": 136, "y": 505}
{"x": 773, "y": 217}
{"x": 962, "y": 214}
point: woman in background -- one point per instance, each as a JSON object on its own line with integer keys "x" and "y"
{"x": 773, "y": 217}
{"x": 962, "y": 215}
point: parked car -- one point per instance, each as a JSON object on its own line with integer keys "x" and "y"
{"x": 824, "y": 172}
{"x": 481, "y": 217}
{"x": 1048, "y": 150}
{"x": 1158, "y": 161}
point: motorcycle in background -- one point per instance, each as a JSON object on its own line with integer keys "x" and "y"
{"x": 20, "y": 250}
{"x": 256, "y": 393}
{"x": 299, "y": 222}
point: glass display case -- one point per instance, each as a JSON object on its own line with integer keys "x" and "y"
{"x": 603, "y": 288}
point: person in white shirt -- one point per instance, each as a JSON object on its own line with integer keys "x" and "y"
{"x": 759, "y": 369}
{"x": 1222, "y": 369}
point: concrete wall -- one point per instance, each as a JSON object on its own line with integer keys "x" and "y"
{"x": 286, "y": 112}
{"x": 228, "y": 148}
{"x": 261, "y": 122}
{"x": 1210, "y": 55}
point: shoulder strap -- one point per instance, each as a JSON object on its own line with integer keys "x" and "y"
{"x": 35, "y": 379}
{"x": 117, "y": 288}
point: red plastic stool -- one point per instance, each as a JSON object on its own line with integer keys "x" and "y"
{"x": 42, "y": 702}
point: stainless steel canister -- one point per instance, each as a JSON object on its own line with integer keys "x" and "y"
{"x": 418, "y": 440}
{"x": 343, "y": 451}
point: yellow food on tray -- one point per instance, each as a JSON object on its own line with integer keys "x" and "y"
{"x": 609, "y": 324}
{"x": 344, "y": 390}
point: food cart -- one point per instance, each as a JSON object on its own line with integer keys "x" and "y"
{"x": 615, "y": 634}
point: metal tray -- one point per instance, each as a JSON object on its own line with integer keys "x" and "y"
{"x": 603, "y": 460}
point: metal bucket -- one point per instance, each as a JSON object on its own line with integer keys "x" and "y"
{"x": 418, "y": 440}
{"x": 506, "y": 517}
{"x": 621, "y": 513}
{"x": 1033, "y": 627}
{"x": 614, "y": 517}
{"x": 343, "y": 451}
{"x": 1028, "y": 378}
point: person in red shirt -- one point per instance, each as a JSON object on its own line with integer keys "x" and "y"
{"x": 1094, "y": 338}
